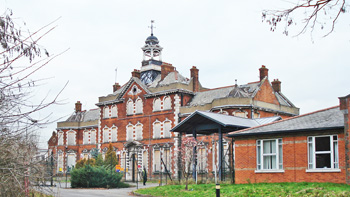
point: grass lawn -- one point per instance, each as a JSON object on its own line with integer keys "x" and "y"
{"x": 257, "y": 189}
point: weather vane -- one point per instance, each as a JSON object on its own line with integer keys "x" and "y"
{"x": 152, "y": 21}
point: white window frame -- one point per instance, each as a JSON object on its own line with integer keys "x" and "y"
{"x": 114, "y": 111}
{"x": 93, "y": 137}
{"x": 60, "y": 138}
{"x": 71, "y": 142}
{"x": 157, "y": 104}
{"x": 334, "y": 154}
{"x": 138, "y": 106}
{"x": 260, "y": 155}
{"x": 106, "y": 112}
{"x": 130, "y": 107}
{"x": 106, "y": 133}
{"x": 86, "y": 135}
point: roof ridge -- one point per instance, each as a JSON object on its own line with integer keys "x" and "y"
{"x": 218, "y": 88}
{"x": 290, "y": 118}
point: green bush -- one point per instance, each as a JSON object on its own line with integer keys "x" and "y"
{"x": 99, "y": 176}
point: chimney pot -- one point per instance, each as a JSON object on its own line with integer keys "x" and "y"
{"x": 194, "y": 75}
{"x": 264, "y": 72}
{"x": 116, "y": 86}
{"x": 166, "y": 68}
{"x": 276, "y": 85}
{"x": 136, "y": 73}
{"x": 78, "y": 106}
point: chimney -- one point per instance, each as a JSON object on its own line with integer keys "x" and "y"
{"x": 264, "y": 72}
{"x": 345, "y": 108}
{"x": 116, "y": 86}
{"x": 276, "y": 85}
{"x": 166, "y": 69}
{"x": 78, "y": 106}
{"x": 136, "y": 73}
{"x": 194, "y": 76}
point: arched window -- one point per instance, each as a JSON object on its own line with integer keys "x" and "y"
{"x": 138, "y": 131}
{"x": 166, "y": 130}
{"x": 167, "y": 103}
{"x": 71, "y": 137}
{"x": 114, "y": 111}
{"x": 156, "y": 160}
{"x": 86, "y": 137}
{"x": 60, "y": 161}
{"x": 93, "y": 137}
{"x": 130, "y": 107}
{"x": 129, "y": 132}
{"x": 114, "y": 134}
{"x": 106, "y": 134}
{"x": 156, "y": 104}
{"x": 71, "y": 161}
{"x": 60, "y": 138}
{"x": 106, "y": 112}
{"x": 139, "y": 106}
{"x": 156, "y": 129}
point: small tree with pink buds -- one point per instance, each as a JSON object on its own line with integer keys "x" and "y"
{"x": 187, "y": 157}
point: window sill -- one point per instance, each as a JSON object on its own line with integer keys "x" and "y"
{"x": 269, "y": 171}
{"x": 323, "y": 170}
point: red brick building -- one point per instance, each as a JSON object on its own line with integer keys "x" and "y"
{"x": 137, "y": 116}
{"x": 312, "y": 147}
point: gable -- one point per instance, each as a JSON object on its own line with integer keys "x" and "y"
{"x": 266, "y": 93}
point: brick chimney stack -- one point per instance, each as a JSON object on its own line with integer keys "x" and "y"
{"x": 345, "y": 108}
{"x": 166, "y": 69}
{"x": 194, "y": 76}
{"x": 264, "y": 72}
{"x": 136, "y": 73}
{"x": 276, "y": 85}
{"x": 78, "y": 106}
{"x": 116, "y": 86}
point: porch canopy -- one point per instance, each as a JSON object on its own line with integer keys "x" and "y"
{"x": 206, "y": 123}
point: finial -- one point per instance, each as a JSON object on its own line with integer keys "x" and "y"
{"x": 152, "y": 21}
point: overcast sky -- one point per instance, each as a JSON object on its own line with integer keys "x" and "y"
{"x": 225, "y": 39}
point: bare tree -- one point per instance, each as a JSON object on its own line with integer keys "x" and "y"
{"x": 320, "y": 13}
{"x": 187, "y": 157}
{"x": 20, "y": 58}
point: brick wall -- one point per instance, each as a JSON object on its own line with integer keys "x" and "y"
{"x": 295, "y": 161}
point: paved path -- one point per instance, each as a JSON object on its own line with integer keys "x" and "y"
{"x": 62, "y": 192}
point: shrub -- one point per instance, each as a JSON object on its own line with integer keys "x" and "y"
{"x": 82, "y": 162}
{"x": 99, "y": 176}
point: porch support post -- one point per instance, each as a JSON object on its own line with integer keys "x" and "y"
{"x": 179, "y": 159}
{"x": 220, "y": 154}
{"x": 194, "y": 170}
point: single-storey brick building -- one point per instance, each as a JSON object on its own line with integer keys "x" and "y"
{"x": 313, "y": 147}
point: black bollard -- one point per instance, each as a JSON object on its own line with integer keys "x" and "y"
{"x": 217, "y": 190}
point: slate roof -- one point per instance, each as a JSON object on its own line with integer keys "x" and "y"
{"x": 330, "y": 118}
{"x": 242, "y": 91}
{"x": 172, "y": 77}
{"x": 226, "y": 121}
{"x": 84, "y": 116}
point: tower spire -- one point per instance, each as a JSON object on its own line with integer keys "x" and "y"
{"x": 152, "y": 21}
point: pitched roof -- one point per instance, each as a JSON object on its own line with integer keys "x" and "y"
{"x": 227, "y": 122}
{"x": 208, "y": 96}
{"x": 172, "y": 77}
{"x": 330, "y": 118}
{"x": 84, "y": 116}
